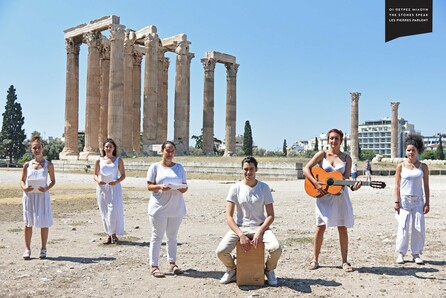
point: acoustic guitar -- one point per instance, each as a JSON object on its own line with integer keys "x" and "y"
{"x": 334, "y": 182}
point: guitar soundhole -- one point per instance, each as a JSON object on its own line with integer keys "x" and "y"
{"x": 330, "y": 181}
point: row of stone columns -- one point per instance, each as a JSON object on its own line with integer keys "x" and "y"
{"x": 354, "y": 140}
{"x": 209, "y": 63}
{"x": 113, "y": 99}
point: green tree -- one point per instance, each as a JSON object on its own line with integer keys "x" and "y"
{"x": 247, "y": 139}
{"x": 316, "y": 145}
{"x": 440, "y": 153}
{"x": 367, "y": 154}
{"x": 345, "y": 145}
{"x": 284, "y": 148}
{"x": 429, "y": 154}
{"x": 13, "y": 135}
{"x": 198, "y": 140}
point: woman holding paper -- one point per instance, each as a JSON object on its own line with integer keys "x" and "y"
{"x": 36, "y": 198}
{"x": 109, "y": 172}
{"x": 167, "y": 182}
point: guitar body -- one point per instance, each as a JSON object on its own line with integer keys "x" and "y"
{"x": 327, "y": 178}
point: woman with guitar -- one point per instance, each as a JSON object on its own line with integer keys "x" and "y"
{"x": 333, "y": 209}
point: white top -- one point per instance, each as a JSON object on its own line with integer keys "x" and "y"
{"x": 250, "y": 202}
{"x": 170, "y": 203}
{"x": 411, "y": 181}
{"x": 335, "y": 210}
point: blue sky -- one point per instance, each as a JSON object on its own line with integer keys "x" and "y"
{"x": 299, "y": 61}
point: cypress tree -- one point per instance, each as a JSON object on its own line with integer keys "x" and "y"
{"x": 13, "y": 135}
{"x": 247, "y": 139}
{"x": 440, "y": 153}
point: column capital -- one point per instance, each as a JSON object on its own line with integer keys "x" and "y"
{"x": 394, "y": 105}
{"x": 231, "y": 69}
{"x": 355, "y": 96}
{"x": 137, "y": 58}
{"x": 73, "y": 45}
{"x": 117, "y": 32}
{"x": 209, "y": 64}
{"x": 105, "y": 48}
{"x": 182, "y": 47}
{"x": 93, "y": 39}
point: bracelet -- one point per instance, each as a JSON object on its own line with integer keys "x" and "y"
{"x": 351, "y": 187}
{"x": 397, "y": 202}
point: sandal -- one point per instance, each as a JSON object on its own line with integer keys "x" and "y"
{"x": 157, "y": 273}
{"x": 347, "y": 267}
{"x": 107, "y": 240}
{"x": 42, "y": 253}
{"x": 27, "y": 255}
{"x": 175, "y": 269}
{"x": 314, "y": 265}
{"x": 114, "y": 240}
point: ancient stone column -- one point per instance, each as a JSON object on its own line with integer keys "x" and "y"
{"x": 116, "y": 93}
{"x": 103, "y": 102}
{"x": 150, "y": 112}
{"x": 231, "y": 108}
{"x": 394, "y": 130}
{"x": 70, "y": 149}
{"x": 136, "y": 124}
{"x": 190, "y": 56}
{"x": 354, "y": 140}
{"x": 93, "y": 40}
{"x": 127, "y": 138}
{"x": 181, "y": 113}
{"x": 164, "y": 98}
{"x": 159, "y": 104}
{"x": 208, "y": 106}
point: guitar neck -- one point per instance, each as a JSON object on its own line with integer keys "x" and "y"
{"x": 349, "y": 182}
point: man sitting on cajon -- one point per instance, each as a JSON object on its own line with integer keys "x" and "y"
{"x": 251, "y": 198}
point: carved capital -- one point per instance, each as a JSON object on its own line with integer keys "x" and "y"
{"x": 117, "y": 33}
{"x": 231, "y": 69}
{"x": 137, "y": 58}
{"x": 394, "y": 106}
{"x": 152, "y": 40}
{"x": 208, "y": 64}
{"x": 93, "y": 39}
{"x": 73, "y": 45}
{"x": 182, "y": 47}
{"x": 355, "y": 96}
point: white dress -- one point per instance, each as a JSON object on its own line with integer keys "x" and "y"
{"x": 334, "y": 210}
{"x": 110, "y": 200}
{"x": 37, "y": 205}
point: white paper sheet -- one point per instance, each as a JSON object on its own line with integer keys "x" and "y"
{"x": 106, "y": 178}
{"x": 176, "y": 186}
{"x": 36, "y": 183}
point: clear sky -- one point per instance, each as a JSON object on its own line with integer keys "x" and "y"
{"x": 299, "y": 61}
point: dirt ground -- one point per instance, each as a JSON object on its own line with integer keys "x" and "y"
{"x": 79, "y": 265}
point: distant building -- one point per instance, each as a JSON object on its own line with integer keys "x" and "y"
{"x": 375, "y": 135}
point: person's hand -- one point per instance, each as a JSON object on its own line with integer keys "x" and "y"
{"x": 163, "y": 187}
{"x": 426, "y": 208}
{"x": 245, "y": 243}
{"x": 43, "y": 189}
{"x": 28, "y": 189}
{"x": 258, "y": 237}
{"x": 113, "y": 183}
{"x": 356, "y": 186}
{"x": 321, "y": 189}
{"x": 397, "y": 207}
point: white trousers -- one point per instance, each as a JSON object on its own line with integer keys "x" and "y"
{"x": 163, "y": 225}
{"x": 411, "y": 211}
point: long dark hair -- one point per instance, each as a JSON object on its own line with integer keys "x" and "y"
{"x": 109, "y": 140}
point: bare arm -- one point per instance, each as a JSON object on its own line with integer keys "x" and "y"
{"x": 258, "y": 236}
{"x": 397, "y": 196}
{"x": 121, "y": 173}
{"x": 23, "y": 180}
{"x": 245, "y": 242}
{"x": 52, "y": 178}
{"x": 426, "y": 189}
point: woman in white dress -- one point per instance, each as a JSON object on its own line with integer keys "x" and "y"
{"x": 166, "y": 180}
{"x": 332, "y": 210}
{"x": 109, "y": 172}
{"x": 36, "y": 198}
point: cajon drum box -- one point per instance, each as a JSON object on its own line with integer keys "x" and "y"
{"x": 251, "y": 265}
